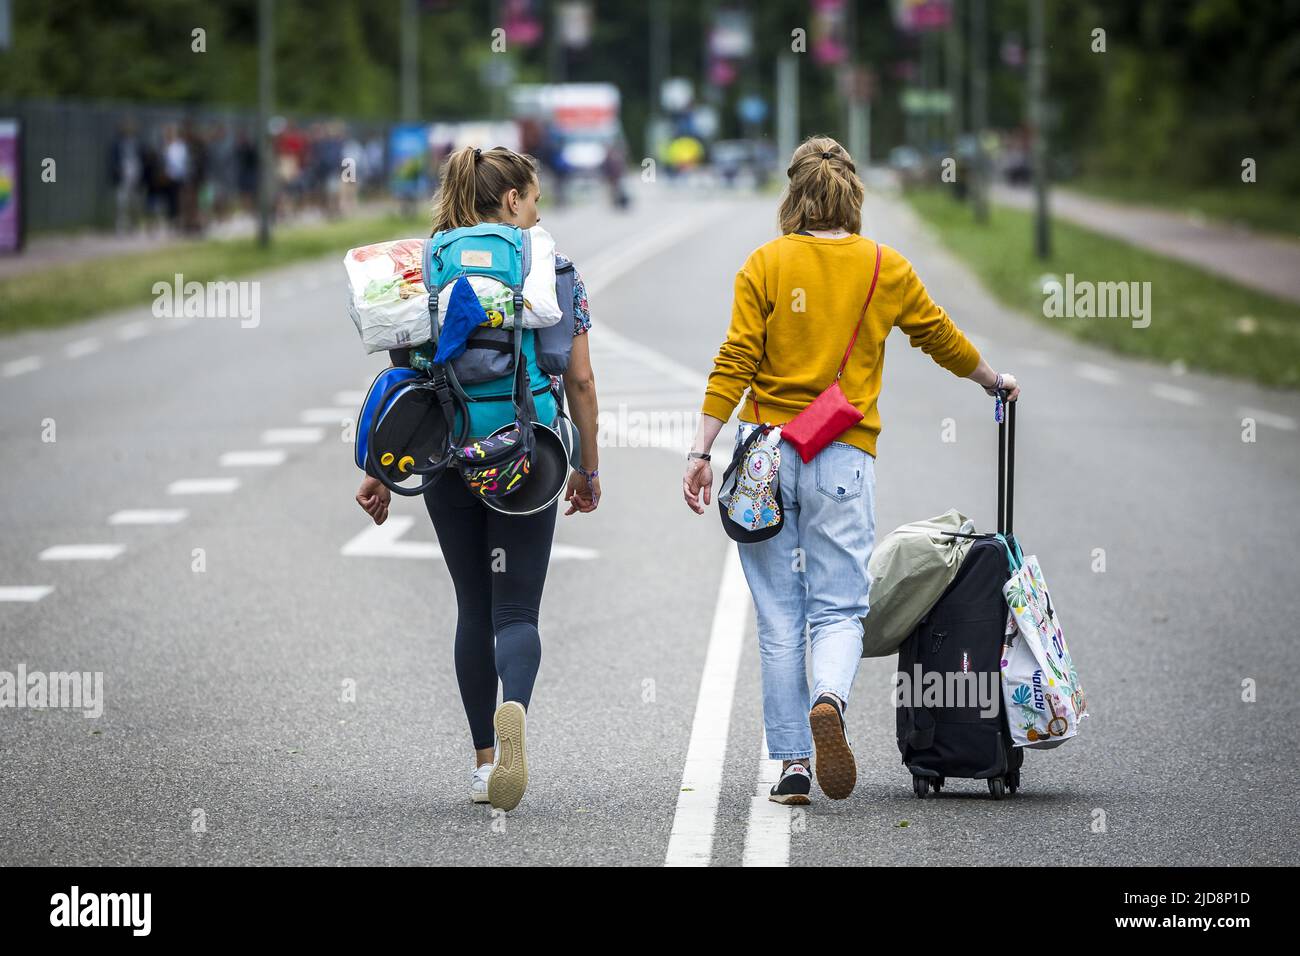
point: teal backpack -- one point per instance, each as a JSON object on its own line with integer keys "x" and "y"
{"x": 483, "y": 375}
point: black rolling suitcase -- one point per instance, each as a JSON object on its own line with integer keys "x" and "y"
{"x": 963, "y": 634}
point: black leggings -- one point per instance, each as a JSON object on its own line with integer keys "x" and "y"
{"x": 498, "y": 564}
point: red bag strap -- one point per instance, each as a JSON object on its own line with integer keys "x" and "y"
{"x": 870, "y": 292}
{"x": 875, "y": 275}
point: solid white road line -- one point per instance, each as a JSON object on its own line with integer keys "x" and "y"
{"x": 203, "y": 486}
{"x": 82, "y": 552}
{"x": 384, "y": 541}
{"x": 1272, "y": 419}
{"x": 81, "y": 347}
{"x": 20, "y": 366}
{"x": 23, "y": 592}
{"x": 148, "y": 516}
{"x": 1172, "y": 393}
{"x": 767, "y": 840}
{"x": 691, "y": 840}
{"x": 292, "y": 436}
{"x": 326, "y": 416}
{"x": 1097, "y": 373}
{"x": 262, "y": 458}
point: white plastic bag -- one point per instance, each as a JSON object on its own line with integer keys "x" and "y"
{"x": 541, "y": 306}
{"x": 387, "y": 299}
{"x": 389, "y": 304}
{"x": 1040, "y": 686}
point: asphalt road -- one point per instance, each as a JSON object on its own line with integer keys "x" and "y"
{"x": 223, "y": 687}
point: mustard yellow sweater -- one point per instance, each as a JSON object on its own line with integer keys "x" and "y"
{"x": 797, "y": 299}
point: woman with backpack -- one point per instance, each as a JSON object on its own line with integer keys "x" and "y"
{"x": 798, "y": 301}
{"x": 498, "y": 561}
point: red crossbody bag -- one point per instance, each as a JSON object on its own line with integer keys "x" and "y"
{"x": 831, "y": 414}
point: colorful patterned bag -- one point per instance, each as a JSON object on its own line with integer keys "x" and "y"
{"x": 749, "y": 497}
{"x": 1040, "y": 686}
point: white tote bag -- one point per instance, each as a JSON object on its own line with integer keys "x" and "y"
{"x": 1040, "y": 686}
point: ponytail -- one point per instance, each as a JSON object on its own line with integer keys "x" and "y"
{"x": 475, "y": 181}
{"x": 824, "y": 192}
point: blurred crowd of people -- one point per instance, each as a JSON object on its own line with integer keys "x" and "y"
{"x": 185, "y": 176}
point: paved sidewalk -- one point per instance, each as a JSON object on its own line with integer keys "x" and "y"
{"x": 1266, "y": 263}
{"x": 48, "y": 251}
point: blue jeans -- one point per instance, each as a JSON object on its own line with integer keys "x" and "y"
{"x": 812, "y": 576}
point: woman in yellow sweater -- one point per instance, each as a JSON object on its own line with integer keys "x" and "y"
{"x": 797, "y": 301}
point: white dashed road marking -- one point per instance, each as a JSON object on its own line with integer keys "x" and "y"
{"x": 349, "y": 398}
{"x": 384, "y": 541}
{"x": 1035, "y": 357}
{"x": 1272, "y": 419}
{"x": 1172, "y": 393}
{"x": 203, "y": 486}
{"x": 1097, "y": 373}
{"x": 326, "y": 416}
{"x": 23, "y": 592}
{"x": 20, "y": 366}
{"x": 149, "y": 516}
{"x": 262, "y": 458}
{"x": 81, "y": 347}
{"x": 292, "y": 436}
{"x": 133, "y": 330}
{"x": 82, "y": 552}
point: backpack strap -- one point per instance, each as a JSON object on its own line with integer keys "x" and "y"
{"x": 525, "y": 265}
{"x": 431, "y": 284}
{"x": 565, "y": 279}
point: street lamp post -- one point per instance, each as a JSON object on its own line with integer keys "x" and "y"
{"x": 979, "y": 105}
{"x": 1038, "y": 128}
{"x": 265, "y": 98}
{"x": 410, "y": 61}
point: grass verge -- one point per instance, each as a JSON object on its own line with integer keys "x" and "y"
{"x": 66, "y": 294}
{"x": 1196, "y": 318}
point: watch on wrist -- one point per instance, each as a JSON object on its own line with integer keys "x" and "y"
{"x": 701, "y": 455}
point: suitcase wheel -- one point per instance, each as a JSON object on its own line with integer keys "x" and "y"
{"x": 1013, "y": 781}
{"x": 937, "y": 784}
{"x": 997, "y": 788}
{"x": 920, "y": 785}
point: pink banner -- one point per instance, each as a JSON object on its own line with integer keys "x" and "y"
{"x": 10, "y": 223}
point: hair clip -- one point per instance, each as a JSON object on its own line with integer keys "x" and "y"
{"x": 478, "y": 153}
{"x": 826, "y": 154}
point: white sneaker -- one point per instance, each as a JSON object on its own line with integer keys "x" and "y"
{"x": 478, "y": 783}
{"x": 509, "y": 776}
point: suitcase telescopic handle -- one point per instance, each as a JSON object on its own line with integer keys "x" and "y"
{"x": 1006, "y": 464}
